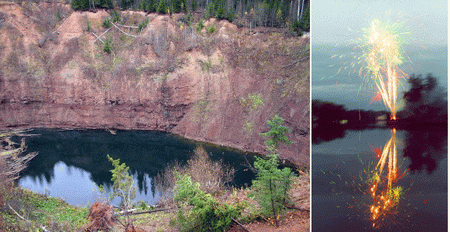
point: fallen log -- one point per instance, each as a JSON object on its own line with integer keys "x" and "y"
{"x": 133, "y": 211}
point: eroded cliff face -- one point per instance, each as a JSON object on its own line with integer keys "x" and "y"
{"x": 219, "y": 87}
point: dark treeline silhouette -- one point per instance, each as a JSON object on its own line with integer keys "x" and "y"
{"x": 331, "y": 120}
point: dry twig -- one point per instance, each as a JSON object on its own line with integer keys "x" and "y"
{"x": 239, "y": 224}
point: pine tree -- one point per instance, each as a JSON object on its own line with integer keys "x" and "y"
{"x": 162, "y": 7}
{"x": 272, "y": 184}
{"x": 123, "y": 183}
{"x": 277, "y": 132}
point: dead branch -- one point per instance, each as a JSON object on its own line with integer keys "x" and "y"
{"x": 123, "y": 31}
{"x": 249, "y": 166}
{"x": 239, "y": 224}
{"x": 127, "y": 26}
{"x": 98, "y": 37}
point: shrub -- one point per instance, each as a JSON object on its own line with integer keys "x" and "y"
{"x": 207, "y": 65}
{"x": 88, "y": 25}
{"x": 107, "y": 23}
{"x": 296, "y": 28}
{"x": 254, "y": 101}
{"x": 115, "y": 16}
{"x": 200, "y": 26}
{"x": 165, "y": 181}
{"x": 211, "y": 29}
{"x": 143, "y": 24}
{"x": 107, "y": 47}
{"x": 199, "y": 211}
{"x": 212, "y": 176}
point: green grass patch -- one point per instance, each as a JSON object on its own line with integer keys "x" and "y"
{"x": 42, "y": 210}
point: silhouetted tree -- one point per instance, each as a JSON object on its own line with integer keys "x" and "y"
{"x": 425, "y": 102}
{"x": 327, "y": 112}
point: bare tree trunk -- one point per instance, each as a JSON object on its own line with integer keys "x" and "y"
{"x": 301, "y": 13}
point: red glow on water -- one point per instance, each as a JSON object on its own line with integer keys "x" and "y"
{"x": 376, "y": 150}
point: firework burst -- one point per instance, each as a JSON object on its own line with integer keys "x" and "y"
{"x": 383, "y": 54}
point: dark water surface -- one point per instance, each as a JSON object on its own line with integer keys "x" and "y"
{"x": 341, "y": 190}
{"x": 72, "y": 162}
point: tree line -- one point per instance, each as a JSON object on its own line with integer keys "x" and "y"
{"x": 268, "y": 13}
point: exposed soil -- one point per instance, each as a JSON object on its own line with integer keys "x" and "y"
{"x": 55, "y": 73}
{"x": 294, "y": 221}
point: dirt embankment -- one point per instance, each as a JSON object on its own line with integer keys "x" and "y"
{"x": 219, "y": 85}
